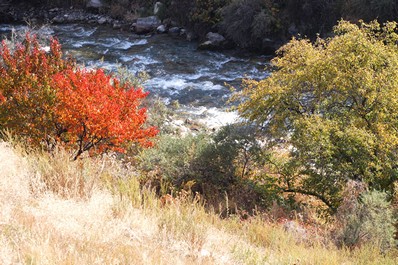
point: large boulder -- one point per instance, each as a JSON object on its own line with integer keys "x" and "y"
{"x": 214, "y": 41}
{"x": 215, "y": 38}
{"x": 146, "y": 24}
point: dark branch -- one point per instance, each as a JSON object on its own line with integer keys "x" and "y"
{"x": 314, "y": 194}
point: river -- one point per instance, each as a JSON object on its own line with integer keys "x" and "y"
{"x": 198, "y": 80}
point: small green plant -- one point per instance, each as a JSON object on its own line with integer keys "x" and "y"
{"x": 365, "y": 217}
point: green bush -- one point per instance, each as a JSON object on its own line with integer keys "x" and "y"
{"x": 230, "y": 156}
{"x": 365, "y": 217}
{"x": 172, "y": 157}
{"x": 217, "y": 160}
{"x": 212, "y": 165}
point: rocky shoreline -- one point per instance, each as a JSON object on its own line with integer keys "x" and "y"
{"x": 93, "y": 15}
{"x": 96, "y": 15}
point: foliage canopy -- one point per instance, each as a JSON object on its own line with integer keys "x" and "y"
{"x": 335, "y": 104}
{"x": 50, "y": 100}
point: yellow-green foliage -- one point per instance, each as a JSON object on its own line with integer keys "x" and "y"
{"x": 335, "y": 103}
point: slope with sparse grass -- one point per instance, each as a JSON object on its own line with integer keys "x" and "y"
{"x": 93, "y": 211}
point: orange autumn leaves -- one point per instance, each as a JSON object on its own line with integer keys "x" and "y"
{"x": 98, "y": 111}
{"x": 48, "y": 99}
{"x": 27, "y": 98}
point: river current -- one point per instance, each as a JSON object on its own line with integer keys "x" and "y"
{"x": 177, "y": 71}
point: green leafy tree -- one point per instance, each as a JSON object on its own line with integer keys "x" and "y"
{"x": 335, "y": 105}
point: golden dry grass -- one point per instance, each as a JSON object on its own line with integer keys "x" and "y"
{"x": 54, "y": 211}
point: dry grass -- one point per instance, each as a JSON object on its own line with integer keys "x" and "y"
{"x": 54, "y": 211}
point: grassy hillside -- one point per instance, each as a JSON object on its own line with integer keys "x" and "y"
{"x": 93, "y": 211}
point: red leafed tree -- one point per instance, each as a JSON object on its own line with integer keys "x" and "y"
{"x": 97, "y": 112}
{"x": 47, "y": 99}
{"x": 26, "y": 95}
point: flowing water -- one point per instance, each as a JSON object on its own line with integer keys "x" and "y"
{"x": 198, "y": 80}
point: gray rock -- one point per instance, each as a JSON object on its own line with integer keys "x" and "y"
{"x": 215, "y": 38}
{"x": 59, "y": 19}
{"x": 214, "y": 41}
{"x": 121, "y": 25}
{"x": 102, "y": 20}
{"x": 207, "y": 45}
{"x": 117, "y": 25}
{"x": 161, "y": 29}
{"x": 174, "y": 31}
{"x": 146, "y": 24}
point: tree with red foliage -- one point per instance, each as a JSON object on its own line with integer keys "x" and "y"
{"x": 96, "y": 110}
{"x": 48, "y": 99}
{"x": 27, "y": 98}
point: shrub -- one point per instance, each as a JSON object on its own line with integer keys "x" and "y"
{"x": 248, "y": 22}
{"x": 179, "y": 11}
{"x": 206, "y": 11}
{"x": 95, "y": 110}
{"x": 365, "y": 217}
{"x": 49, "y": 100}
{"x": 212, "y": 165}
{"x": 229, "y": 156}
{"x": 172, "y": 157}
{"x": 130, "y": 9}
{"x": 28, "y": 98}
{"x": 199, "y": 15}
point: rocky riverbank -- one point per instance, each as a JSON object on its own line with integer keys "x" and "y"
{"x": 90, "y": 15}
{"x": 95, "y": 13}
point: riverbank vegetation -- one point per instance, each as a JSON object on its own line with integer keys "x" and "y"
{"x": 261, "y": 25}
{"x": 334, "y": 104}
{"x": 309, "y": 178}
